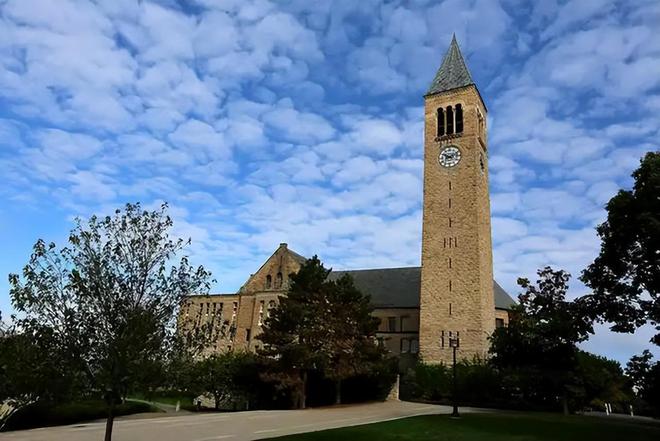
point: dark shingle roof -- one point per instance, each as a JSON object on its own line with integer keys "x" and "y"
{"x": 400, "y": 287}
{"x": 453, "y": 72}
{"x": 388, "y": 287}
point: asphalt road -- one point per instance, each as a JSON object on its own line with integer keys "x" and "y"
{"x": 237, "y": 426}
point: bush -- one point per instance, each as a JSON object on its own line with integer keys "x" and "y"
{"x": 45, "y": 414}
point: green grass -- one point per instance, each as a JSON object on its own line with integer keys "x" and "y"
{"x": 45, "y": 414}
{"x": 492, "y": 427}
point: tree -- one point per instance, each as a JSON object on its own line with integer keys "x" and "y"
{"x": 109, "y": 299}
{"x": 542, "y": 336}
{"x": 625, "y": 277}
{"x": 292, "y": 332}
{"x": 645, "y": 376}
{"x": 227, "y": 376}
{"x": 348, "y": 346}
{"x": 320, "y": 325}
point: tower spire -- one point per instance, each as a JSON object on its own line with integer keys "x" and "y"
{"x": 453, "y": 72}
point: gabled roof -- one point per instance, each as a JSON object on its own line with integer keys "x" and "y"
{"x": 400, "y": 287}
{"x": 453, "y": 72}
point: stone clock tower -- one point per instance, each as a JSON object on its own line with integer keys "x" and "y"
{"x": 456, "y": 296}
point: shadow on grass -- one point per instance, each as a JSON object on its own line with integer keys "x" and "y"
{"x": 42, "y": 414}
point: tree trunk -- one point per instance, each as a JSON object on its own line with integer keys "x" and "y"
{"x": 109, "y": 422}
{"x": 216, "y": 402}
{"x": 337, "y": 391}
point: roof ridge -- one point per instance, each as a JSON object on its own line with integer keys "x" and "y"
{"x": 377, "y": 269}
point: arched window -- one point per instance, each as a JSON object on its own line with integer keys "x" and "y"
{"x": 450, "y": 120}
{"x": 278, "y": 280}
{"x": 441, "y": 121}
{"x": 269, "y": 281}
{"x": 459, "y": 118}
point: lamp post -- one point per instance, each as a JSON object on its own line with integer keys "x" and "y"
{"x": 454, "y": 343}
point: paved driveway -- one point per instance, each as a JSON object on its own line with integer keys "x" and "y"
{"x": 237, "y": 426}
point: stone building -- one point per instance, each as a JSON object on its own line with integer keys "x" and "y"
{"x": 420, "y": 308}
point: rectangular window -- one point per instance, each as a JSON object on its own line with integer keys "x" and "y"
{"x": 404, "y": 324}
{"x": 499, "y": 323}
{"x": 391, "y": 324}
{"x": 405, "y": 345}
{"x": 414, "y": 346}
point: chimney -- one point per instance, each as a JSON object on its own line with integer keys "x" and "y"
{"x": 283, "y": 245}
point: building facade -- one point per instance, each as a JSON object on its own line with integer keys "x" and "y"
{"x": 453, "y": 293}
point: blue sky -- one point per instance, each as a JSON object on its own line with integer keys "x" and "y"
{"x": 263, "y": 122}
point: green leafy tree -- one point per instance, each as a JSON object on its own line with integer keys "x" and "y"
{"x": 110, "y": 298}
{"x": 542, "y": 336}
{"x": 645, "y": 376}
{"x": 320, "y": 325}
{"x": 227, "y": 376}
{"x": 599, "y": 380}
{"x": 625, "y": 277}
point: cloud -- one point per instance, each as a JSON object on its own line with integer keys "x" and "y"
{"x": 263, "y": 122}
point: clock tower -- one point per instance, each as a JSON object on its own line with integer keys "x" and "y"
{"x": 456, "y": 297}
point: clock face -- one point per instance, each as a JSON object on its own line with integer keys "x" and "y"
{"x": 449, "y": 156}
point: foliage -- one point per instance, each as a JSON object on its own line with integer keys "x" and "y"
{"x": 44, "y": 413}
{"x": 228, "y": 376}
{"x": 31, "y": 369}
{"x": 492, "y": 427}
{"x": 109, "y": 299}
{"x": 645, "y": 375}
{"x": 625, "y": 277}
{"x": 320, "y": 325}
{"x": 542, "y": 336}
{"x": 599, "y": 380}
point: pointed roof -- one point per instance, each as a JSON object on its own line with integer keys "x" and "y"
{"x": 453, "y": 72}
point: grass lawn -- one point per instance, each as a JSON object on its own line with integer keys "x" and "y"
{"x": 492, "y": 427}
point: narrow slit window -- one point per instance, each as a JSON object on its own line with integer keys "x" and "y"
{"x": 449, "y": 222}
{"x": 450, "y": 309}
{"x": 449, "y": 262}
{"x": 450, "y": 185}
{"x": 450, "y": 286}
{"x": 449, "y": 202}
{"x": 441, "y": 122}
{"x": 442, "y": 338}
{"x": 269, "y": 281}
{"x": 459, "y": 118}
{"x": 450, "y": 120}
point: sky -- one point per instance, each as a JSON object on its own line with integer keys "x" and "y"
{"x": 262, "y": 122}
